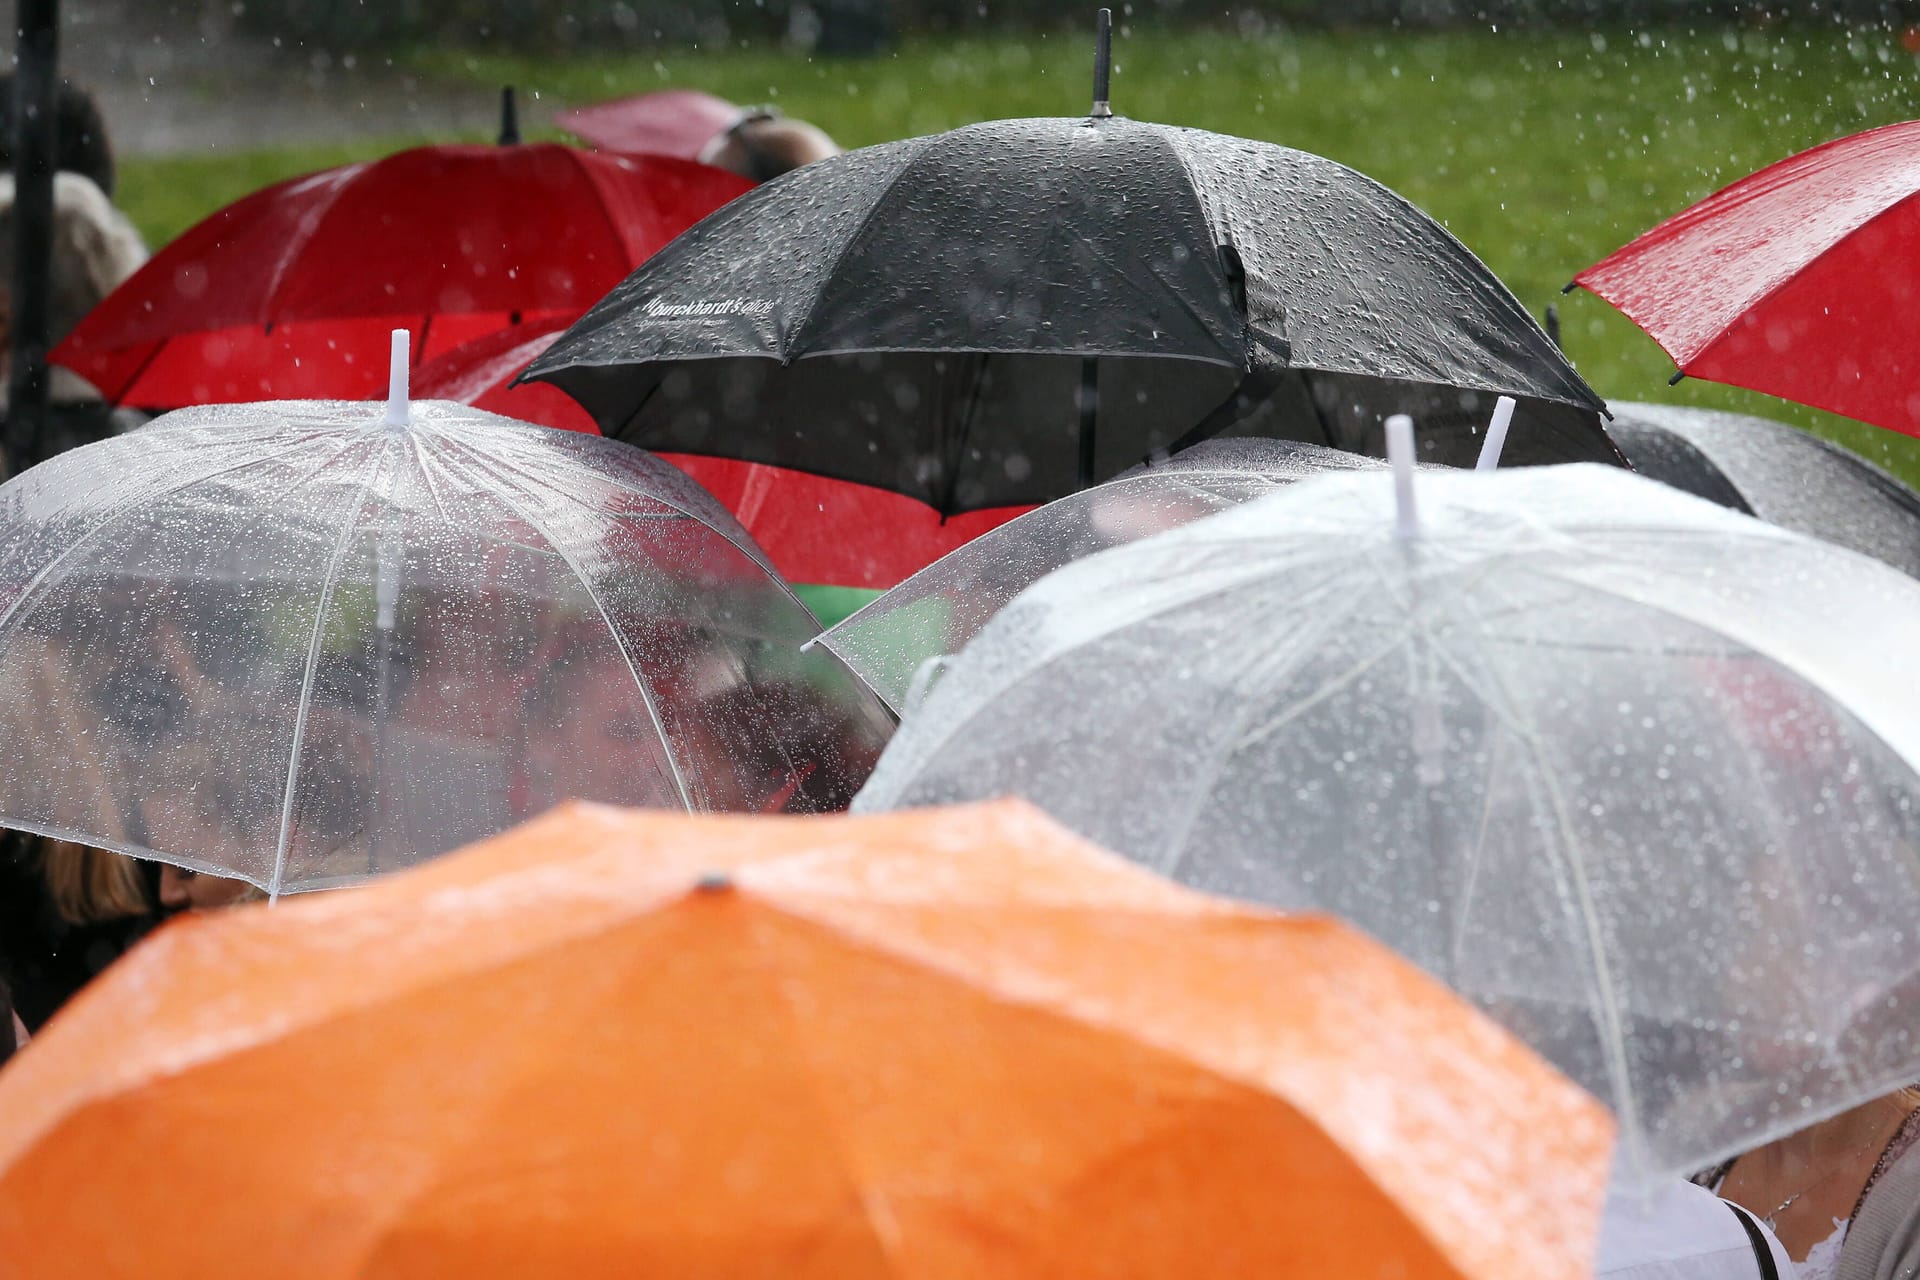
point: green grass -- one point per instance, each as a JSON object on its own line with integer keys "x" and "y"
{"x": 1542, "y": 151}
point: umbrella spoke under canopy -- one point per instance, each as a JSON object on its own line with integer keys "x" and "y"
{"x": 302, "y": 645}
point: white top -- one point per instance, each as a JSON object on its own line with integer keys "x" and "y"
{"x": 1824, "y": 1258}
{"x": 1679, "y": 1232}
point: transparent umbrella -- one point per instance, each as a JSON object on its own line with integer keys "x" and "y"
{"x": 1633, "y": 772}
{"x": 305, "y": 642}
{"x": 892, "y": 639}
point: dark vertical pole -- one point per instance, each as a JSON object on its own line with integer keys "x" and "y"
{"x": 34, "y": 147}
{"x": 1553, "y": 325}
{"x": 1089, "y": 401}
{"x": 1089, "y": 397}
{"x": 509, "y": 118}
{"x": 1102, "y": 63}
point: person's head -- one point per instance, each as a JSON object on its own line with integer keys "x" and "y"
{"x": 183, "y": 889}
{"x": 763, "y": 146}
{"x": 94, "y": 249}
{"x": 81, "y": 146}
{"x": 777, "y": 746}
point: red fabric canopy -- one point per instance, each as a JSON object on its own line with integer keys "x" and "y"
{"x": 668, "y": 122}
{"x": 291, "y": 292}
{"x": 1799, "y": 280}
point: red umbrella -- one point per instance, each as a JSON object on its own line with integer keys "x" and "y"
{"x": 668, "y": 122}
{"x": 281, "y": 295}
{"x": 1797, "y": 280}
{"x": 817, "y": 530}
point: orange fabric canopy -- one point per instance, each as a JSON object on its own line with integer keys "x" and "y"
{"x": 955, "y": 1043}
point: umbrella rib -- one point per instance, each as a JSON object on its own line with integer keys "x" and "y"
{"x": 127, "y": 384}
{"x": 509, "y": 496}
{"x": 1319, "y": 414}
{"x": 1399, "y": 638}
{"x": 846, "y": 251}
{"x": 304, "y": 233}
{"x": 1569, "y": 871}
{"x": 109, "y": 520}
{"x": 881, "y": 607}
{"x": 576, "y": 157}
{"x": 312, "y": 666}
{"x": 750, "y": 550}
{"x": 1219, "y": 236}
{"x": 1238, "y": 582}
{"x": 427, "y": 466}
{"x": 1231, "y": 739}
{"x": 976, "y": 383}
{"x": 1765, "y": 295}
{"x": 871, "y": 1199}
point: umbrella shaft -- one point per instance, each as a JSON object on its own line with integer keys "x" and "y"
{"x": 1102, "y": 63}
{"x": 34, "y": 144}
{"x": 1089, "y": 402}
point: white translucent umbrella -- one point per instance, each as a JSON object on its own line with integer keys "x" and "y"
{"x": 305, "y": 642}
{"x": 1635, "y": 773}
{"x": 937, "y": 610}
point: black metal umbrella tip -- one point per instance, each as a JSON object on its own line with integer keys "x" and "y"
{"x": 509, "y": 118}
{"x": 714, "y": 882}
{"x": 1102, "y": 63}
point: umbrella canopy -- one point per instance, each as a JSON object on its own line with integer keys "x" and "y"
{"x": 667, "y": 122}
{"x": 955, "y": 1044}
{"x": 285, "y": 293}
{"x": 1794, "y": 280}
{"x": 936, "y": 611}
{"x": 1788, "y": 477}
{"x": 1634, "y": 773}
{"x": 1008, "y": 312}
{"x": 815, "y": 530}
{"x": 300, "y": 645}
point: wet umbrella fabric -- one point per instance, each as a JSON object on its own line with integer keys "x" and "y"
{"x": 289, "y": 292}
{"x": 667, "y": 122}
{"x": 889, "y": 642}
{"x": 1785, "y": 476}
{"x": 294, "y": 644}
{"x": 1002, "y": 314}
{"x": 817, "y": 531}
{"x": 1794, "y": 281}
{"x": 956, "y": 1044}
{"x": 1610, "y": 760}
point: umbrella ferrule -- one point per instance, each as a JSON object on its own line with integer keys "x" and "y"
{"x": 1406, "y": 518}
{"x": 509, "y": 118}
{"x": 1102, "y": 64}
{"x": 397, "y": 402}
{"x": 1496, "y": 441}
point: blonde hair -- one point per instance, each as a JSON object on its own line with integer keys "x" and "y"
{"x": 89, "y": 885}
{"x": 94, "y": 247}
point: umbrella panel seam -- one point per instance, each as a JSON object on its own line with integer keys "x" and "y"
{"x": 586, "y": 585}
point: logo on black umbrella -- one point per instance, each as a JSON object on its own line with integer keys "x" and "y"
{"x": 710, "y": 307}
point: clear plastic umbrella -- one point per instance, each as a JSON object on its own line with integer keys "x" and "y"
{"x": 305, "y": 642}
{"x": 936, "y": 611}
{"x": 1635, "y": 773}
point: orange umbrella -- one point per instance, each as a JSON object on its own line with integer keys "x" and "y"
{"x": 955, "y": 1043}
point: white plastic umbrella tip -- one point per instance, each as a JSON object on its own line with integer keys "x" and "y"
{"x": 1496, "y": 440}
{"x": 1406, "y": 521}
{"x": 397, "y": 379}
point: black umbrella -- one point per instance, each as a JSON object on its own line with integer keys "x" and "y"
{"x": 1010, "y": 311}
{"x": 1783, "y": 475}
